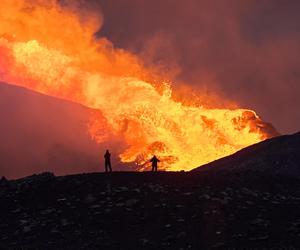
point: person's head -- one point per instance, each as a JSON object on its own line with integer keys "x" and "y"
{"x": 107, "y": 151}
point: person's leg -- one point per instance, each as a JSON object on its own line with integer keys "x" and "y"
{"x": 109, "y": 165}
{"x": 106, "y": 168}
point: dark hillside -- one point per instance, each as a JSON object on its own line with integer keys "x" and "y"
{"x": 150, "y": 211}
{"x": 40, "y": 133}
{"x": 277, "y": 156}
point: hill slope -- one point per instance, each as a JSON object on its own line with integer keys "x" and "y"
{"x": 41, "y": 133}
{"x": 279, "y": 156}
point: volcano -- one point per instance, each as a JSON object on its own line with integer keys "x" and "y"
{"x": 69, "y": 89}
{"x": 137, "y": 105}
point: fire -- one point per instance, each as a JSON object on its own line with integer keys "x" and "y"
{"x": 52, "y": 50}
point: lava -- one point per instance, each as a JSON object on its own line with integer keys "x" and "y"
{"x": 52, "y": 49}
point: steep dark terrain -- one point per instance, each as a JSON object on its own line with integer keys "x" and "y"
{"x": 276, "y": 156}
{"x": 247, "y": 202}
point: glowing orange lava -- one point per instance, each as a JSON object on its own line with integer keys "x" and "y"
{"x": 53, "y": 50}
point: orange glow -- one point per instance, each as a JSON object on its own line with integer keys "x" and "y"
{"x": 53, "y": 50}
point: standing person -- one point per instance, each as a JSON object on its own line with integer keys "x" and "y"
{"x": 107, "y": 161}
{"x": 154, "y": 161}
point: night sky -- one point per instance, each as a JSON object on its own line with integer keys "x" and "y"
{"x": 245, "y": 51}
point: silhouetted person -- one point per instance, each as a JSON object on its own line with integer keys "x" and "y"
{"x": 154, "y": 161}
{"x": 107, "y": 161}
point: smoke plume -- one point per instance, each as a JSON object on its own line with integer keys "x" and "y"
{"x": 60, "y": 50}
{"x": 246, "y": 51}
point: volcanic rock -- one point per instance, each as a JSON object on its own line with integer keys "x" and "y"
{"x": 234, "y": 206}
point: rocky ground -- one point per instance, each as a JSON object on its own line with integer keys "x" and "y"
{"x": 150, "y": 211}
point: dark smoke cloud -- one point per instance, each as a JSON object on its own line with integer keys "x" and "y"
{"x": 247, "y": 51}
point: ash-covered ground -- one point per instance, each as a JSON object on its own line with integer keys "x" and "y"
{"x": 150, "y": 211}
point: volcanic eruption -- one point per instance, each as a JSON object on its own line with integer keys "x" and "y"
{"x": 51, "y": 47}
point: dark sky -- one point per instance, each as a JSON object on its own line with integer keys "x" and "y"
{"x": 247, "y": 51}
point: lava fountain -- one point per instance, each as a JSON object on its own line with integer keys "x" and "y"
{"x": 51, "y": 48}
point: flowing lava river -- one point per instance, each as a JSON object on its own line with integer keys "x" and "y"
{"x": 51, "y": 48}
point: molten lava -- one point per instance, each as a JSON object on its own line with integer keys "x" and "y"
{"x": 52, "y": 49}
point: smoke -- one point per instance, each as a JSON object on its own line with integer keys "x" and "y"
{"x": 137, "y": 105}
{"x": 245, "y": 51}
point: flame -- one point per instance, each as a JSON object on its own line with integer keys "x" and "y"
{"x": 52, "y": 49}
